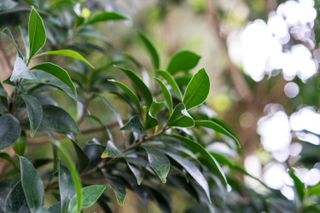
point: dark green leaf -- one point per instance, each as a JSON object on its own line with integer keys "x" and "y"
{"x": 82, "y": 157}
{"x": 113, "y": 110}
{"x": 31, "y": 185}
{"x": 35, "y": 112}
{"x": 3, "y": 92}
{"x": 55, "y": 208}
{"x": 67, "y": 53}
{"x": 172, "y": 83}
{"x": 197, "y": 90}
{"x": 136, "y": 172}
{"x": 119, "y": 190}
{"x": 159, "y": 163}
{"x": 9, "y": 130}
{"x": 193, "y": 170}
{"x": 57, "y": 72}
{"x": 66, "y": 188}
{"x": 183, "y": 61}
{"x": 206, "y": 157}
{"x": 16, "y": 201}
{"x": 150, "y": 122}
{"x": 56, "y": 119}
{"x": 93, "y": 152}
{"x": 37, "y": 33}
{"x": 219, "y": 128}
{"x": 298, "y": 185}
{"x": 135, "y": 126}
{"x": 180, "y": 117}
{"x": 151, "y": 49}
{"x": 111, "y": 151}
{"x": 106, "y": 16}
{"x": 140, "y": 85}
{"x": 166, "y": 94}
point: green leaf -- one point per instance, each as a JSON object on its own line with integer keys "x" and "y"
{"x": 183, "y": 61}
{"x": 57, "y": 72}
{"x": 151, "y": 49}
{"x": 206, "y": 158}
{"x": 106, "y": 16}
{"x": 56, "y": 119}
{"x": 111, "y": 151}
{"x": 7, "y": 157}
{"x": 16, "y": 201}
{"x": 90, "y": 195}
{"x": 9, "y": 130}
{"x": 217, "y": 126}
{"x": 37, "y": 33}
{"x": 180, "y": 117}
{"x": 31, "y": 185}
{"x": 134, "y": 125}
{"x": 67, "y": 53}
{"x": 74, "y": 174}
{"x": 159, "y": 163}
{"x": 166, "y": 94}
{"x": 314, "y": 190}
{"x": 119, "y": 190}
{"x": 172, "y": 83}
{"x": 66, "y": 188}
{"x": 35, "y": 112}
{"x": 193, "y": 171}
{"x": 298, "y": 185}
{"x": 197, "y": 90}
{"x": 83, "y": 160}
{"x": 129, "y": 93}
{"x": 140, "y": 85}
{"x": 20, "y": 146}
{"x": 155, "y": 108}
{"x": 136, "y": 172}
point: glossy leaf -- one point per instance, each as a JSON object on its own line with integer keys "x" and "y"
{"x": 66, "y": 187}
{"x": 218, "y": 128}
{"x": 106, "y": 16}
{"x": 57, "y": 72}
{"x": 140, "y": 85}
{"x": 35, "y": 112}
{"x": 9, "y": 130}
{"x": 31, "y": 184}
{"x": 159, "y": 163}
{"x": 16, "y": 201}
{"x": 155, "y": 108}
{"x": 166, "y": 94}
{"x": 136, "y": 172}
{"x": 183, "y": 61}
{"x": 151, "y": 50}
{"x": 197, "y": 90}
{"x": 37, "y": 33}
{"x": 83, "y": 160}
{"x": 119, "y": 190}
{"x": 67, "y": 53}
{"x": 111, "y": 151}
{"x": 171, "y": 81}
{"x": 56, "y": 119}
{"x": 135, "y": 126}
{"x": 180, "y": 117}
{"x": 192, "y": 170}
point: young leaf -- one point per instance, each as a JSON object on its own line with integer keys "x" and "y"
{"x": 67, "y": 53}
{"x": 140, "y": 85}
{"x": 166, "y": 94}
{"x": 20, "y": 71}
{"x": 20, "y": 146}
{"x": 35, "y": 112}
{"x": 31, "y": 185}
{"x": 106, "y": 16}
{"x": 159, "y": 163}
{"x": 56, "y": 119}
{"x": 197, "y": 90}
{"x": 170, "y": 80}
{"x": 57, "y": 72}
{"x": 111, "y": 151}
{"x": 219, "y": 128}
{"x": 314, "y": 190}
{"x": 9, "y": 130}
{"x": 155, "y": 108}
{"x": 151, "y": 49}
{"x": 37, "y": 33}
{"x": 193, "y": 171}
{"x": 206, "y": 157}
{"x": 183, "y": 61}
{"x": 298, "y": 185}
{"x": 180, "y": 117}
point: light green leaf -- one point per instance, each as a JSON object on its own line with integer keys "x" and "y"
{"x": 35, "y": 112}
{"x": 31, "y": 185}
{"x": 183, "y": 61}
{"x": 155, "y": 108}
{"x": 67, "y": 53}
{"x": 206, "y": 158}
{"x": 20, "y": 146}
{"x": 180, "y": 117}
{"x": 37, "y": 33}
{"x": 151, "y": 49}
{"x": 140, "y": 85}
{"x": 9, "y": 130}
{"x": 172, "y": 83}
{"x": 106, "y": 16}
{"x": 197, "y": 90}
{"x": 217, "y": 126}
{"x": 57, "y": 72}
{"x": 314, "y": 190}
{"x": 159, "y": 163}
{"x": 166, "y": 94}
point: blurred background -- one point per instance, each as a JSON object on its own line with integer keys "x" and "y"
{"x": 263, "y": 60}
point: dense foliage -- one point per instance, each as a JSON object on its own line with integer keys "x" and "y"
{"x": 77, "y": 135}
